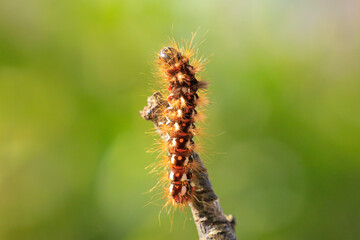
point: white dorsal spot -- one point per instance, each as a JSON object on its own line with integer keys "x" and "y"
{"x": 174, "y": 142}
{"x": 183, "y": 191}
{"x": 177, "y": 127}
{"x": 186, "y": 161}
{"x": 171, "y": 188}
{"x": 184, "y": 178}
{"x": 179, "y": 113}
{"x": 173, "y": 159}
{"x": 182, "y": 101}
{"x": 171, "y": 176}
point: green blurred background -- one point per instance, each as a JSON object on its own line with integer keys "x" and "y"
{"x": 283, "y": 130}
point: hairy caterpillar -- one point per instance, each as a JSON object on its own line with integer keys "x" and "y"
{"x": 177, "y": 127}
{"x": 174, "y": 117}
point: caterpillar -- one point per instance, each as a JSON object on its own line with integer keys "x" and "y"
{"x": 178, "y": 128}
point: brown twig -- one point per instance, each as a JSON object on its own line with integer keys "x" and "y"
{"x": 209, "y": 218}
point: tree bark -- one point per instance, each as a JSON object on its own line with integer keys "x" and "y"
{"x": 210, "y": 221}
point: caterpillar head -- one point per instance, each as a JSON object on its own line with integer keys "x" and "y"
{"x": 169, "y": 55}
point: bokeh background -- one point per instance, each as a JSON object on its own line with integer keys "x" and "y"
{"x": 282, "y": 143}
